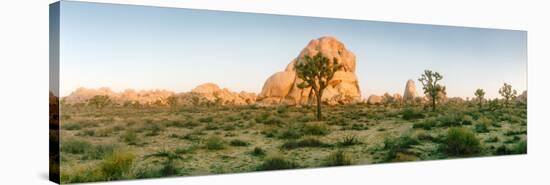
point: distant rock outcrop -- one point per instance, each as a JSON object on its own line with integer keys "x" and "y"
{"x": 282, "y": 87}
{"x": 375, "y": 100}
{"x": 202, "y": 94}
{"x": 410, "y": 91}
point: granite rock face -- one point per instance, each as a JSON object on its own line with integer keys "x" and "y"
{"x": 282, "y": 87}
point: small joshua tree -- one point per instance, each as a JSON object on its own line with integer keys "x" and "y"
{"x": 479, "y": 95}
{"x": 507, "y": 93}
{"x": 431, "y": 87}
{"x": 316, "y": 72}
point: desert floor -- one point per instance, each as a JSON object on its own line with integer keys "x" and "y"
{"x": 116, "y": 143}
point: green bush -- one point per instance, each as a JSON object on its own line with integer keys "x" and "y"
{"x": 276, "y": 163}
{"x": 397, "y": 145}
{"x": 410, "y": 114}
{"x": 316, "y": 129}
{"x": 481, "y": 128}
{"x": 130, "y": 137}
{"x": 258, "y": 151}
{"x": 426, "y": 124}
{"x": 460, "y": 141}
{"x": 306, "y": 142}
{"x": 291, "y": 133}
{"x": 214, "y": 143}
{"x": 117, "y": 165}
{"x": 238, "y": 142}
{"x": 338, "y": 158}
{"x": 75, "y": 146}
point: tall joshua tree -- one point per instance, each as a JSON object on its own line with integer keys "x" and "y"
{"x": 507, "y": 93}
{"x": 479, "y": 94}
{"x": 316, "y": 72}
{"x": 431, "y": 87}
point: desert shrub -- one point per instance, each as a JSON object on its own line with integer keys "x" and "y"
{"x": 71, "y": 126}
{"x": 106, "y": 132}
{"x": 291, "y": 133}
{"x": 271, "y": 132}
{"x": 485, "y": 121}
{"x": 75, "y": 146}
{"x": 492, "y": 139}
{"x": 410, "y": 114}
{"x": 186, "y": 150}
{"x": 261, "y": 118}
{"x": 238, "y": 142}
{"x": 174, "y": 123}
{"x": 349, "y": 141}
{"x": 315, "y": 129}
{"x": 397, "y": 145}
{"x": 481, "y": 128}
{"x": 88, "y": 132}
{"x": 117, "y": 165}
{"x": 258, "y": 151}
{"x": 98, "y": 152}
{"x": 381, "y": 129}
{"x": 167, "y": 166}
{"x": 450, "y": 120}
{"x": 423, "y": 136}
{"x": 460, "y": 141}
{"x": 426, "y": 124}
{"x": 214, "y": 143}
{"x": 130, "y": 137}
{"x": 306, "y": 142}
{"x": 276, "y": 163}
{"x": 359, "y": 126}
{"x": 211, "y": 126}
{"x": 273, "y": 120}
{"x": 152, "y": 129}
{"x": 467, "y": 120}
{"x": 338, "y": 158}
{"x": 282, "y": 109}
{"x": 207, "y": 119}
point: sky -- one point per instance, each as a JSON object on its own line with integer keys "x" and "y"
{"x": 140, "y": 47}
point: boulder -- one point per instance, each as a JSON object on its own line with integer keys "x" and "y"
{"x": 375, "y": 100}
{"x": 343, "y": 88}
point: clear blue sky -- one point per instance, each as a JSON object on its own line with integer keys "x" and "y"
{"x": 120, "y": 46}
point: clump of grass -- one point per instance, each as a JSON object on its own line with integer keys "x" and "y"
{"x": 452, "y": 119}
{"x": 130, "y": 137}
{"x": 481, "y": 128}
{"x": 306, "y": 142}
{"x": 153, "y": 129}
{"x": 349, "y": 141}
{"x": 258, "y": 151}
{"x": 426, "y": 124}
{"x": 87, "y": 132}
{"x": 338, "y": 158}
{"x": 318, "y": 129}
{"x": 214, "y": 143}
{"x": 397, "y": 145}
{"x": 117, "y": 165}
{"x": 492, "y": 139}
{"x": 410, "y": 114}
{"x": 238, "y": 142}
{"x": 460, "y": 142}
{"x": 271, "y": 132}
{"x": 98, "y": 152}
{"x": 207, "y": 119}
{"x": 290, "y": 133}
{"x": 273, "y": 120}
{"x": 75, "y": 146}
{"x": 276, "y": 162}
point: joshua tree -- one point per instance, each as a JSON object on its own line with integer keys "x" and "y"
{"x": 316, "y": 72}
{"x": 431, "y": 87}
{"x": 507, "y": 93}
{"x": 100, "y": 101}
{"x": 479, "y": 94}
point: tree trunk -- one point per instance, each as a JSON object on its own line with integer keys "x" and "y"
{"x": 433, "y": 104}
{"x": 319, "y": 95}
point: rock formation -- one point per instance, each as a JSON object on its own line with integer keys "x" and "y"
{"x": 375, "y": 100}
{"x": 202, "y": 94}
{"x": 410, "y": 91}
{"x": 281, "y": 87}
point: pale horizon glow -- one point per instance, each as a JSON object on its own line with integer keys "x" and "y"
{"x": 146, "y": 48}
